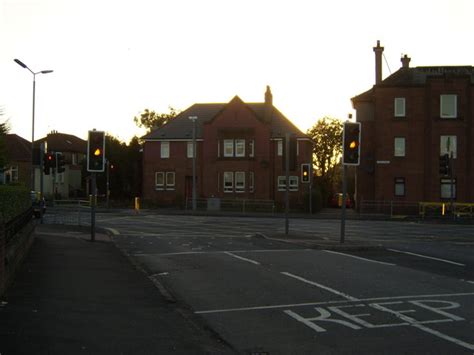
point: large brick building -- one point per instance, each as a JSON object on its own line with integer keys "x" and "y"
{"x": 407, "y": 121}
{"x": 239, "y": 154}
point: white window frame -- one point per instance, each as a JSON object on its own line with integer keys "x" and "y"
{"x": 399, "y": 147}
{"x": 165, "y": 150}
{"x": 448, "y": 108}
{"x": 228, "y": 148}
{"x": 228, "y": 181}
{"x": 280, "y": 147}
{"x": 251, "y": 148}
{"x": 399, "y": 107}
{"x": 239, "y": 179}
{"x": 240, "y": 148}
{"x": 399, "y": 186}
{"x": 443, "y": 145}
{"x": 159, "y": 175}
{"x": 293, "y": 183}
{"x": 251, "y": 181}
{"x": 445, "y": 188}
{"x": 281, "y": 182}
{"x": 170, "y": 180}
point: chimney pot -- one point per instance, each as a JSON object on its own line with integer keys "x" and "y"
{"x": 378, "y": 63}
{"x": 405, "y": 61}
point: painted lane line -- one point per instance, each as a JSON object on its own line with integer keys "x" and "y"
{"x": 242, "y": 258}
{"x": 336, "y": 292}
{"x": 358, "y": 257}
{"x": 223, "y": 252}
{"x": 113, "y": 231}
{"x": 306, "y": 304}
{"x": 427, "y": 257}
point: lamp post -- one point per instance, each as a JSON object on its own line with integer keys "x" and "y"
{"x": 21, "y": 64}
{"x": 194, "y": 118}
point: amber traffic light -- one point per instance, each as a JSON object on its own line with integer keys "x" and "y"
{"x": 96, "y": 151}
{"x": 351, "y": 143}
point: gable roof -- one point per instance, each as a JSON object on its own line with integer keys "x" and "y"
{"x": 18, "y": 148}
{"x": 181, "y": 126}
{"x": 61, "y": 142}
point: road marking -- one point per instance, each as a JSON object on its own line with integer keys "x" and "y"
{"x": 306, "y": 304}
{"x": 427, "y": 257}
{"x": 336, "y": 292}
{"x": 358, "y": 257}
{"x": 242, "y": 258}
{"x": 223, "y": 252}
{"x": 113, "y": 231}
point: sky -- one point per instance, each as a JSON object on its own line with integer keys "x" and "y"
{"x": 114, "y": 58}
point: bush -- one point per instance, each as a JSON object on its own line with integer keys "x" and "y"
{"x": 14, "y": 200}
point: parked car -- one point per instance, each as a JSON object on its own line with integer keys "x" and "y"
{"x": 37, "y": 204}
{"x": 336, "y": 200}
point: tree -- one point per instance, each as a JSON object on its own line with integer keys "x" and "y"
{"x": 152, "y": 120}
{"x": 326, "y": 135}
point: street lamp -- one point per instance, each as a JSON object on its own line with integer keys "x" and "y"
{"x": 194, "y": 118}
{"x": 23, "y": 65}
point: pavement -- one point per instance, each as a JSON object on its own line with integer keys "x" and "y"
{"x": 74, "y": 296}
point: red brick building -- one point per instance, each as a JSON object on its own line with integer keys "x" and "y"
{"x": 239, "y": 150}
{"x": 407, "y": 121}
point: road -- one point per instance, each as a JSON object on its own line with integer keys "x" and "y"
{"x": 414, "y": 296}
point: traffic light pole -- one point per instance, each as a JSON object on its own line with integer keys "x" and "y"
{"x": 343, "y": 207}
{"x": 287, "y": 180}
{"x": 93, "y": 200}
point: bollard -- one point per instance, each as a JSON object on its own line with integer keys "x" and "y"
{"x": 137, "y": 204}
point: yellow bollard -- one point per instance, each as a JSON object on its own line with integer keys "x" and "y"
{"x": 443, "y": 209}
{"x": 137, "y": 204}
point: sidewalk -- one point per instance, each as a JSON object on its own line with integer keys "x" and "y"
{"x": 73, "y": 296}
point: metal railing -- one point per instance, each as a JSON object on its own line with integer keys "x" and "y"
{"x": 232, "y": 205}
{"x": 392, "y": 209}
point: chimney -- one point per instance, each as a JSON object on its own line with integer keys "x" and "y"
{"x": 378, "y": 63}
{"x": 405, "y": 61}
{"x": 268, "y": 105}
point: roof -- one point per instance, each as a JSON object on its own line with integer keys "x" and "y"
{"x": 61, "y": 142}
{"x": 18, "y": 148}
{"x": 181, "y": 126}
{"x": 418, "y": 76}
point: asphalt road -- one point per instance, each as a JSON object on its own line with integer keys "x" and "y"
{"x": 415, "y": 296}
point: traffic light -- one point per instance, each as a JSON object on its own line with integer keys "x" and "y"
{"x": 351, "y": 143}
{"x": 96, "y": 151}
{"x": 49, "y": 162}
{"x": 444, "y": 167}
{"x": 305, "y": 173}
{"x": 60, "y": 163}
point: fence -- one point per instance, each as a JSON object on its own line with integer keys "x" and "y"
{"x": 232, "y": 205}
{"x": 70, "y": 212}
{"x": 442, "y": 209}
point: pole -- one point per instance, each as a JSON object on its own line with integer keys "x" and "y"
{"x": 194, "y": 118}
{"x": 33, "y": 136}
{"x": 42, "y": 150}
{"x": 287, "y": 182}
{"x": 310, "y": 189}
{"x": 451, "y": 173}
{"x": 108, "y": 184}
{"x": 343, "y": 207}
{"x": 93, "y": 201}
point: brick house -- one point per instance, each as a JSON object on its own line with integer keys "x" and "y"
{"x": 239, "y": 148}
{"x": 407, "y": 121}
{"x": 69, "y": 183}
{"x": 18, "y": 168}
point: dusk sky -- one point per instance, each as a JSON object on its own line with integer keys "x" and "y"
{"x": 114, "y": 58}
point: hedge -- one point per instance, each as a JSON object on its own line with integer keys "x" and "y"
{"x": 14, "y": 200}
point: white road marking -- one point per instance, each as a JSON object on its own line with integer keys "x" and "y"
{"x": 242, "y": 258}
{"x": 113, "y": 231}
{"x": 306, "y": 304}
{"x": 336, "y": 292}
{"x": 427, "y": 257}
{"x": 358, "y": 257}
{"x": 471, "y": 282}
{"x": 224, "y": 252}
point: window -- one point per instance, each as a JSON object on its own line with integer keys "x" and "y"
{"x": 251, "y": 182}
{"x": 239, "y": 181}
{"x": 447, "y": 145}
{"x": 280, "y": 148}
{"x": 228, "y": 147}
{"x": 399, "y": 147}
{"x": 399, "y": 107}
{"x": 170, "y": 180}
{"x": 293, "y": 183}
{"x": 159, "y": 181}
{"x": 228, "y": 181}
{"x": 190, "y": 149}
{"x": 448, "y": 106}
{"x": 446, "y": 188}
{"x": 240, "y": 147}
{"x": 251, "y": 148}
{"x": 399, "y": 186}
{"x": 165, "y": 150}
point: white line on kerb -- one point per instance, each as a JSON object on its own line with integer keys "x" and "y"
{"x": 427, "y": 257}
{"x": 358, "y": 257}
{"x": 113, "y": 231}
{"x": 336, "y": 292}
{"x": 242, "y": 258}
